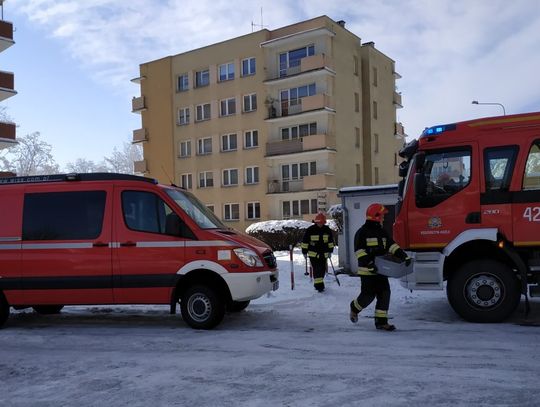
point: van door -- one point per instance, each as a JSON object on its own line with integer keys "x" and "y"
{"x": 66, "y": 253}
{"x": 149, "y": 247}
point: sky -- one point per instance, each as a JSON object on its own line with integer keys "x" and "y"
{"x": 288, "y": 348}
{"x": 73, "y": 60}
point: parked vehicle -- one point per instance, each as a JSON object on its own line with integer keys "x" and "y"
{"x": 469, "y": 211}
{"x": 120, "y": 239}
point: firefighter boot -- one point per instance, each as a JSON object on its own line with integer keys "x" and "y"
{"x": 353, "y": 315}
{"x": 386, "y": 327}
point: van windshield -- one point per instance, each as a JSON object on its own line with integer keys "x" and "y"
{"x": 195, "y": 209}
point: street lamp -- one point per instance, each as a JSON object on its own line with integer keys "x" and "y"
{"x": 476, "y": 102}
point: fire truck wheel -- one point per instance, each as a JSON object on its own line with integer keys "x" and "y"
{"x": 4, "y": 310}
{"x": 202, "y": 307}
{"x": 483, "y": 291}
{"x": 48, "y": 309}
{"x": 237, "y": 306}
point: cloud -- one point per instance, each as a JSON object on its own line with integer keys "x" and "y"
{"x": 448, "y": 52}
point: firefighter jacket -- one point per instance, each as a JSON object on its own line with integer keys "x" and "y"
{"x": 371, "y": 241}
{"x": 318, "y": 242}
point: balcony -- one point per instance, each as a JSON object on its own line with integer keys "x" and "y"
{"x": 6, "y": 35}
{"x": 397, "y": 100}
{"x": 139, "y": 136}
{"x": 306, "y": 143}
{"x": 303, "y": 105}
{"x": 312, "y": 63}
{"x": 399, "y": 130}
{"x": 140, "y": 167}
{"x": 6, "y": 85}
{"x": 309, "y": 183}
{"x": 7, "y": 135}
{"x": 138, "y": 104}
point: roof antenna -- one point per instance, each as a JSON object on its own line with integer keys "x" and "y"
{"x": 167, "y": 175}
{"x": 261, "y": 25}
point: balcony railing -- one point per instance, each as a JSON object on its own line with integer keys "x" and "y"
{"x": 138, "y": 104}
{"x": 306, "y": 143}
{"x": 399, "y": 130}
{"x": 7, "y": 134}
{"x": 139, "y": 136}
{"x": 307, "y": 64}
{"x": 305, "y": 104}
{"x": 140, "y": 167}
{"x": 308, "y": 183}
{"x": 6, "y": 35}
{"x": 6, "y": 85}
{"x": 397, "y": 100}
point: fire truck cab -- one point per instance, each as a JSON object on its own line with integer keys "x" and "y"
{"x": 81, "y": 239}
{"x": 469, "y": 213}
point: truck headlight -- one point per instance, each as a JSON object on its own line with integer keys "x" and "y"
{"x": 248, "y": 257}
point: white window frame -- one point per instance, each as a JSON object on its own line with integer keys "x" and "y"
{"x": 202, "y": 148}
{"x": 182, "y": 83}
{"x": 226, "y": 176}
{"x": 201, "y": 114}
{"x": 228, "y": 211}
{"x": 253, "y": 137}
{"x": 183, "y": 116}
{"x": 253, "y": 173}
{"x": 293, "y": 132}
{"x": 184, "y": 149}
{"x": 247, "y": 63}
{"x": 295, "y": 207}
{"x": 212, "y": 207}
{"x": 255, "y": 205}
{"x": 186, "y": 180}
{"x": 228, "y": 72}
{"x": 206, "y": 179}
{"x": 227, "y": 107}
{"x": 229, "y": 142}
{"x": 250, "y": 102}
{"x": 202, "y": 78}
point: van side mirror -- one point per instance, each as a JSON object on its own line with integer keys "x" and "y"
{"x": 420, "y": 159}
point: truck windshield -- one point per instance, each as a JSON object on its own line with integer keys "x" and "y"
{"x": 195, "y": 209}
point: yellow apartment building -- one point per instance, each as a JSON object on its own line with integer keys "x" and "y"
{"x": 271, "y": 124}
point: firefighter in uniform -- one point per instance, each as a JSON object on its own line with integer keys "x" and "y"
{"x": 370, "y": 241}
{"x": 318, "y": 245}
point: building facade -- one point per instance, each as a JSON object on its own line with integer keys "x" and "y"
{"x": 7, "y": 128}
{"x": 271, "y": 124}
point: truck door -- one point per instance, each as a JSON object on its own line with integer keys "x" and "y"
{"x": 526, "y": 206}
{"x": 149, "y": 247}
{"x": 445, "y": 200}
{"x": 66, "y": 253}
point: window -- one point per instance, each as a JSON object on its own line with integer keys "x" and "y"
{"x": 301, "y": 130}
{"x": 63, "y": 215}
{"x": 358, "y": 174}
{"x": 230, "y": 177}
{"x": 184, "y": 149}
{"x": 376, "y": 175}
{"x": 250, "y": 102}
{"x": 229, "y": 142}
{"x": 231, "y": 211}
{"x": 375, "y": 114}
{"x": 357, "y": 137}
{"x": 183, "y": 116}
{"x": 291, "y": 99}
{"x": 498, "y": 167}
{"x": 252, "y": 175}
{"x": 376, "y": 143}
{"x": 251, "y": 138}
{"x": 292, "y": 175}
{"x": 186, "y": 181}
{"x": 203, "y": 112}
{"x": 291, "y": 209}
{"x": 204, "y": 146}
{"x": 531, "y": 180}
{"x": 291, "y": 59}
{"x": 355, "y": 65}
{"x": 146, "y": 212}
{"x": 253, "y": 210}
{"x": 248, "y": 66}
{"x": 356, "y": 102}
{"x": 183, "y": 83}
{"x": 445, "y": 173}
{"x": 227, "y": 107}
{"x": 375, "y": 79}
{"x": 211, "y": 208}
{"x": 202, "y": 78}
{"x": 226, "y": 72}
{"x": 206, "y": 179}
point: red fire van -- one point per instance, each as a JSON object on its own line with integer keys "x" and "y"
{"x": 121, "y": 239}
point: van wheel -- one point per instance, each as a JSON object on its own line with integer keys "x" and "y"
{"x": 237, "y": 306}
{"x": 483, "y": 291}
{"x": 202, "y": 307}
{"x": 48, "y": 309}
{"x": 4, "y": 310}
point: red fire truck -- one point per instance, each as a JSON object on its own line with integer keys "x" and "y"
{"x": 469, "y": 212}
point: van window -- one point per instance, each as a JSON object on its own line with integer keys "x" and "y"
{"x": 195, "y": 209}
{"x": 63, "y": 215}
{"x": 147, "y": 212}
{"x": 531, "y": 180}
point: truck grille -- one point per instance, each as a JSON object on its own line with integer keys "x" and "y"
{"x": 270, "y": 259}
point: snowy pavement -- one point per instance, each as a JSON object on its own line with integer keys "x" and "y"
{"x": 290, "y": 348}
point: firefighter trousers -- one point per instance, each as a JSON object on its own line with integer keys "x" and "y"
{"x": 372, "y": 287}
{"x": 319, "y": 270}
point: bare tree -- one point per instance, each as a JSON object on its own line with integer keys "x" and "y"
{"x": 82, "y": 165}
{"x": 122, "y": 160}
{"x": 32, "y": 156}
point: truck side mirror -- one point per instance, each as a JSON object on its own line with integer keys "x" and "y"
{"x": 420, "y": 186}
{"x": 420, "y": 159}
{"x": 403, "y": 168}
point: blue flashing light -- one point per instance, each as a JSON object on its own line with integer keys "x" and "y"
{"x": 435, "y": 130}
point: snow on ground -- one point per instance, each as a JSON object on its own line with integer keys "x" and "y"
{"x": 289, "y": 348}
